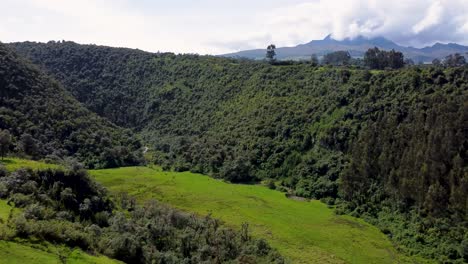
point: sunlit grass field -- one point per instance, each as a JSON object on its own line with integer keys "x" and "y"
{"x": 16, "y": 253}
{"x": 305, "y": 232}
{"x": 12, "y": 164}
{"x": 5, "y": 210}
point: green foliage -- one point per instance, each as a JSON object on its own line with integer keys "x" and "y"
{"x": 454, "y": 60}
{"x": 381, "y": 59}
{"x": 44, "y": 119}
{"x": 337, "y": 58}
{"x": 5, "y": 142}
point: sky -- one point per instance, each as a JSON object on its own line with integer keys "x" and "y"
{"x": 222, "y": 26}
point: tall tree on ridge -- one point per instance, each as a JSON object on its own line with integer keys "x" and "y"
{"x": 271, "y": 53}
{"x": 5, "y": 142}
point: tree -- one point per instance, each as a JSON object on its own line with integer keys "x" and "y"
{"x": 314, "y": 61}
{"x": 395, "y": 59}
{"x": 436, "y": 62}
{"x": 5, "y": 142}
{"x": 337, "y": 58}
{"x": 238, "y": 170}
{"x": 454, "y": 60}
{"x": 271, "y": 53}
{"x": 409, "y": 62}
{"x": 381, "y": 59}
{"x": 371, "y": 58}
{"x": 28, "y": 145}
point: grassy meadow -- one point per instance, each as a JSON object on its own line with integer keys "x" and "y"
{"x": 18, "y": 253}
{"x": 12, "y": 164}
{"x": 304, "y": 232}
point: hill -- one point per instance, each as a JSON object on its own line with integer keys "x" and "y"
{"x": 356, "y": 47}
{"x": 46, "y": 121}
{"x": 388, "y": 146}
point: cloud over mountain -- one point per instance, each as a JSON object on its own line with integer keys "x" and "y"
{"x": 415, "y": 22}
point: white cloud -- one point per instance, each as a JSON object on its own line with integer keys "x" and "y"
{"x": 104, "y": 22}
{"x": 415, "y": 22}
{"x": 208, "y": 26}
{"x": 432, "y": 18}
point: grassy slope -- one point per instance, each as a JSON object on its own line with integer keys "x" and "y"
{"x": 4, "y": 210}
{"x": 306, "y": 232}
{"x": 12, "y": 164}
{"x": 13, "y": 252}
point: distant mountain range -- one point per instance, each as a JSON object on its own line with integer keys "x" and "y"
{"x": 357, "y": 47}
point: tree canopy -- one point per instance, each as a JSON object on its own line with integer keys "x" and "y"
{"x": 381, "y": 59}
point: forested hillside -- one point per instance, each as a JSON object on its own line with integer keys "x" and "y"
{"x": 45, "y": 121}
{"x": 390, "y": 146}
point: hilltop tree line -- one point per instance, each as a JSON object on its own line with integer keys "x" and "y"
{"x": 388, "y": 146}
{"x": 374, "y": 59}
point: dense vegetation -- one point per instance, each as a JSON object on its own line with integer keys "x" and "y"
{"x": 391, "y": 144}
{"x": 67, "y": 207}
{"x": 38, "y": 118}
{"x": 381, "y": 59}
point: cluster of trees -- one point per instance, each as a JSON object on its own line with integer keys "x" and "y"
{"x": 337, "y": 58}
{"x": 39, "y": 119}
{"x": 381, "y": 59}
{"x": 25, "y": 146}
{"x": 67, "y": 207}
{"x": 452, "y": 60}
{"x": 391, "y": 136}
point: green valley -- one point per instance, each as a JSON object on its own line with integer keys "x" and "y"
{"x": 117, "y": 154}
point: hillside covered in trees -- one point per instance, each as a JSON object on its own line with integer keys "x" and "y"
{"x": 43, "y": 120}
{"x": 389, "y": 146}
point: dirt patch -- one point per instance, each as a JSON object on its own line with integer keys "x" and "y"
{"x": 349, "y": 223}
{"x": 297, "y": 198}
{"x": 258, "y": 200}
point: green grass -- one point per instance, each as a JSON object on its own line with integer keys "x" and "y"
{"x": 305, "y": 232}
{"x": 16, "y": 253}
{"x": 5, "y": 210}
{"x": 12, "y": 164}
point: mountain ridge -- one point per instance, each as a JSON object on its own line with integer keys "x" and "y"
{"x": 356, "y": 47}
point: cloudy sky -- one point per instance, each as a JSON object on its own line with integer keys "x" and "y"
{"x": 221, "y": 26}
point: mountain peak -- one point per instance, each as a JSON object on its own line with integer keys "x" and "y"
{"x": 328, "y": 37}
